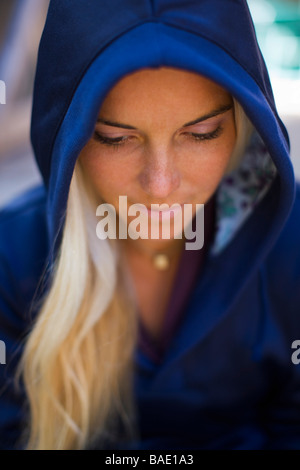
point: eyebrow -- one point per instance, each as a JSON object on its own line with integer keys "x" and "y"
{"x": 212, "y": 114}
{"x": 116, "y": 124}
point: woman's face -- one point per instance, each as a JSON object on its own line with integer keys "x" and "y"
{"x": 162, "y": 136}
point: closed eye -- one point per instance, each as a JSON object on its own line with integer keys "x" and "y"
{"x": 116, "y": 142}
{"x": 206, "y": 136}
{"x": 111, "y": 141}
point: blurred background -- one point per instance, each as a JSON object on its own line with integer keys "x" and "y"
{"x": 21, "y": 24}
{"x": 277, "y": 24}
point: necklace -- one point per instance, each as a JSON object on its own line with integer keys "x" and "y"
{"x": 160, "y": 260}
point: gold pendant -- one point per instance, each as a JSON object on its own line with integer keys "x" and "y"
{"x": 161, "y": 262}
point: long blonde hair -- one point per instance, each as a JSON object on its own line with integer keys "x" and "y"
{"x": 78, "y": 360}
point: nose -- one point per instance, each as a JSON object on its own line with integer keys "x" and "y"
{"x": 160, "y": 176}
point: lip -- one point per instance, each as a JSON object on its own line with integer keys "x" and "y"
{"x": 163, "y": 213}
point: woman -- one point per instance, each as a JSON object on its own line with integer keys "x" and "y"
{"x": 136, "y": 342}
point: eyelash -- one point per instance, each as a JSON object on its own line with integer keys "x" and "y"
{"x": 208, "y": 136}
{"x": 111, "y": 142}
{"x": 119, "y": 141}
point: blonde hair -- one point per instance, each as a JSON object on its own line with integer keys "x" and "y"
{"x": 78, "y": 360}
{"x": 244, "y": 129}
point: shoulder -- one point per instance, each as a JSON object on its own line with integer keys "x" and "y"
{"x": 23, "y": 247}
{"x": 286, "y": 251}
{"x": 292, "y": 227}
{"x": 18, "y": 210}
{"x": 23, "y": 251}
{"x": 282, "y": 266}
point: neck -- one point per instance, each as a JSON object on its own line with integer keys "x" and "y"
{"x": 160, "y": 254}
{"x": 154, "y": 246}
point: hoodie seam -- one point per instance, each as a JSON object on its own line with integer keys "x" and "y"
{"x": 152, "y": 6}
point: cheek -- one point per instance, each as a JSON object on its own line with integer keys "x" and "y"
{"x": 103, "y": 170}
{"x": 223, "y": 151}
{"x": 210, "y": 165}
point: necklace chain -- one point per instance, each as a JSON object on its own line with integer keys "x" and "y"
{"x": 160, "y": 259}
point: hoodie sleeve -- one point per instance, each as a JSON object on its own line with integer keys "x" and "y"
{"x": 282, "y": 276}
{"x": 284, "y": 416}
{"x": 11, "y": 327}
{"x": 21, "y": 225}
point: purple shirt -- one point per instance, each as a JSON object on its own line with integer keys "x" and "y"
{"x": 189, "y": 270}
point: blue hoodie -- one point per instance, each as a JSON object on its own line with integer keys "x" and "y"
{"x": 227, "y": 380}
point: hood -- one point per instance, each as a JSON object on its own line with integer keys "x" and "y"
{"x": 86, "y": 48}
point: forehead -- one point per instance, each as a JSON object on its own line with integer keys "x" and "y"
{"x": 164, "y": 91}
